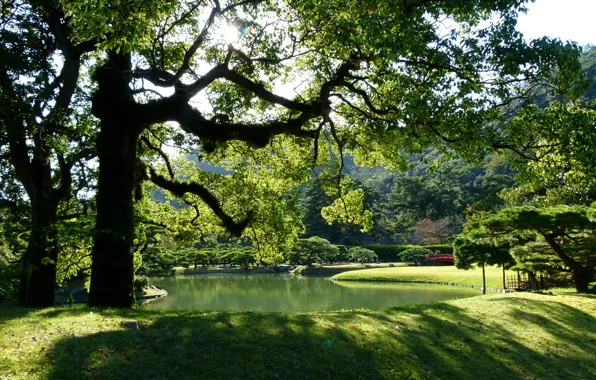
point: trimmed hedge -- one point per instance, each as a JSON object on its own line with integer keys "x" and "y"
{"x": 390, "y": 252}
{"x": 440, "y": 248}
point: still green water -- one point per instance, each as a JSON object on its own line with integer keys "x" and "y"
{"x": 269, "y": 292}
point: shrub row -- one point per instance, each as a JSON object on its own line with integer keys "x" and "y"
{"x": 388, "y": 253}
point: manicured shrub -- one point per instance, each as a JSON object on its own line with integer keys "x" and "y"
{"x": 415, "y": 254}
{"x": 390, "y": 252}
{"x": 313, "y": 250}
{"x": 362, "y": 255}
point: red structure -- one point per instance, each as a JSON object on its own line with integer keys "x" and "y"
{"x": 440, "y": 259}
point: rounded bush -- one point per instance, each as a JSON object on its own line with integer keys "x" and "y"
{"x": 417, "y": 254}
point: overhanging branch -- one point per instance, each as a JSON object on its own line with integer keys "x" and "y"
{"x": 180, "y": 188}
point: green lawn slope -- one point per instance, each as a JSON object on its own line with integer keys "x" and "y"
{"x": 449, "y": 274}
{"x": 498, "y": 336}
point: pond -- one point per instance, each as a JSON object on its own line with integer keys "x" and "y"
{"x": 268, "y": 292}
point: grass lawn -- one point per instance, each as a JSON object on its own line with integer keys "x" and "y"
{"x": 364, "y": 266}
{"x": 333, "y": 269}
{"x": 496, "y": 336}
{"x": 494, "y": 275}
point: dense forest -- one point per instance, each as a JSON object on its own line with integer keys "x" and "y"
{"x": 426, "y": 204}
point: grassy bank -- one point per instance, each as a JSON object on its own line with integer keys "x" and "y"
{"x": 330, "y": 270}
{"x": 494, "y": 276}
{"x": 496, "y": 336}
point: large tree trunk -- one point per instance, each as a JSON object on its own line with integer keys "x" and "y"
{"x": 112, "y": 268}
{"x": 112, "y": 272}
{"x": 38, "y": 278}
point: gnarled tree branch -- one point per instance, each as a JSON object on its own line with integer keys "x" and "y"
{"x": 180, "y": 188}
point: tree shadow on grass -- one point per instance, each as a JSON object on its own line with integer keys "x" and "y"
{"x": 216, "y": 345}
{"x": 445, "y": 341}
{"x": 427, "y": 341}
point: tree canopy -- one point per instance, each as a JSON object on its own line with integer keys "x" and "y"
{"x": 268, "y": 90}
{"x": 565, "y": 231}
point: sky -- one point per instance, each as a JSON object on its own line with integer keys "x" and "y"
{"x": 566, "y": 19}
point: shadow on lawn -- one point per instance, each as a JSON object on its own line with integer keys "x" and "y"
{"x": 427, "y": 341}
{"x": 215, "y": 345}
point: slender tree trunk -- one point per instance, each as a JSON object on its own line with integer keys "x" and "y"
{"x": 112, "y": 272}
{"x": 483, "y": 280}
{"x": 532, "y": 280}
{"x": 504, "y": 283}
{"x": 38, "y": 278}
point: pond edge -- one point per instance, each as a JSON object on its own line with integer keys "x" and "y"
{"x": 431, "y": 283}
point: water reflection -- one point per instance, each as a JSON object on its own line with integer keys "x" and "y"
{"x": 266, "y": 292}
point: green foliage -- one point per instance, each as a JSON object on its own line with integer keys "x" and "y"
{"x": 349, "y": 208}
{"x": 416, "y": 254}
{"x": 9, "y": 282}
{"x": 561, "y": 170}
{"x": 254, "y": 185}
{"x": 425, "y": 204}
{"x": 592, "y": 212}
{"x": 313, "y": 250}
{"x": 119, "y": 25}
{"x": 343, "y": 253}
{"x": 468, "y": 252}
{"x": 386, "y": 252}
{"x": 12, "y": 247}
{"x": 537, "y": 257}
{"x": 436, "y": 189}
{"x": 315, "y": 199}
{"x": 158, "y": 259}
{"x": 389, "y": 253}
{"x": 440, "y": 248}
{"x": 75, "y": 242}
{"x": 141, "y": 283}
{"x": 398, "y": 79}
{"x": 537, "y": 236}
{"x": 362, "y": 255}
{"x": 235, "y": 255}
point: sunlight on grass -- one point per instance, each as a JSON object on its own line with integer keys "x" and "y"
{"x": 449, "y": 274}
{"x": 499, "y": 336}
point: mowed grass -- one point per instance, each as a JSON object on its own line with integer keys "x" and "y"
{"x": 449, "y": 274}
{"x": 495, "y": 336}
{"x": 365, "y": 265}
{"x": 333, "y": 269}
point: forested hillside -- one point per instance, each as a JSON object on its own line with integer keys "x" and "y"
{"x": 423, "y": 205}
